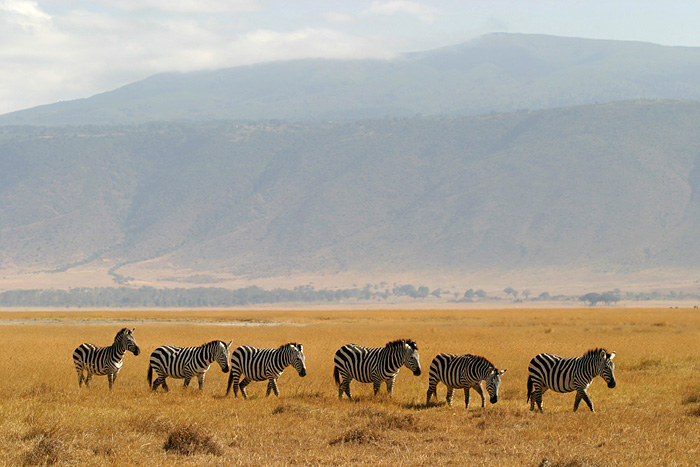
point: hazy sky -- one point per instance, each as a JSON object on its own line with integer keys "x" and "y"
{"x": 65, "y": 49}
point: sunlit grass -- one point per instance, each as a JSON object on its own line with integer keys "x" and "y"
{"x": 650, "y": 418}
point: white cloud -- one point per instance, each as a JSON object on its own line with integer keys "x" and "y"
{"x": 74, "y": 53}
{"x": 394, "y": 7}
{"x": 65, "y": 49}
{"x": 184, "y": 6}
{"x": 267, "y": 45}
{"x": 25, "y": 14}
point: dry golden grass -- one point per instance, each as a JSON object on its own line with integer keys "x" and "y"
{"x": 650, "y": 418}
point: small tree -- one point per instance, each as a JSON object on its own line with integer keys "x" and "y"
{"x": 592, "y": 298}
{"x": 511, "y": 291}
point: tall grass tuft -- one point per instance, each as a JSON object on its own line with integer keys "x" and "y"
{"x": 192, "y": 439}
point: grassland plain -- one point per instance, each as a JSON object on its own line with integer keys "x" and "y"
{"x": 652, "y": 417}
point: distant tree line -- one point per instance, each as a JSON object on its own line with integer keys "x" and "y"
{"x": 220, "y": 297}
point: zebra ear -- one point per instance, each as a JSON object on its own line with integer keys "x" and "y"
{"x": 611, "y": 356}
{"x": 229, "y": 344}
{"x": 502, "y": 371}
{"x": 132, "y": 330}
{"x": 300, "y": 347}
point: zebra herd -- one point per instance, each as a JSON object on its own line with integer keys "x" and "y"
{"x": 351, "y": 361}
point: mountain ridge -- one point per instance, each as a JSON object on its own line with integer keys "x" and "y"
{"x": 608, "y": 186}
{"x": 494, "y": 73}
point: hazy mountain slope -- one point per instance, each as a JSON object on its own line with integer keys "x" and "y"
{"x": 595, "y": 186}
{"x": 498, "y": 72}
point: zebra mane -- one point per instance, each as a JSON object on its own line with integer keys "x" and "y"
{"x": 595, "y": 352}
{"x": 401, "y": 342}
{"x": 288, "y": 344}
{"x": 214, "y": 342}
{"x": 479, "y": 357}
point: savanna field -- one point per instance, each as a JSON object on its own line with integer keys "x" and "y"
{"x": 652, "y": 417}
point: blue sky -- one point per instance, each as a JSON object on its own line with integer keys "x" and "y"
{"x": 66, "y": 49}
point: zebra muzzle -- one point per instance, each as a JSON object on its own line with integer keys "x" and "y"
{"x": 494, "y": 399}
{"x": 612, "y": 384}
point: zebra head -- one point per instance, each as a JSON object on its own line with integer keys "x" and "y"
{"x": 125, "y": 340}
{"x": 493, "y": 382}
{"x": 607, "y": 367}
{"x": 222, "y": 354}
{"x": 411, "y": 359}
{"x": 298, "y": 359}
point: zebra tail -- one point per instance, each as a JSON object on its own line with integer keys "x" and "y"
{"x": 336, "y": 376}
{"x": 529, "y": 388}
{"x": 150, "y": 376}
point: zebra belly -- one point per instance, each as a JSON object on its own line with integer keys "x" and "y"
{"x": 107, "y": 370}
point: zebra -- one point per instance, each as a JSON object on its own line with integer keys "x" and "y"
{"x": 256, "y": 364}
{"x": 547, "y": 371}
{"x": 186, "y": 362}
{"x": 101, "y": 361}
{"x": 464, "y": 372}
{"x": 374, "y": 365}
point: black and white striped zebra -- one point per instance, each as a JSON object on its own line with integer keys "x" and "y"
{"x": 186, "y": 362}
{"x": 254, "y": 364}
{"x": 374, "y": 365}
{"x": 547, "y": 371}
{"x": 102, "y": 361}
{"x": 464, "y": 372}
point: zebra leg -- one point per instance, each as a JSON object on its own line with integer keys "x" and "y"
{"x": 479, "y": 391}
{"x": 538, "y": 398}
{"x": 165, "y": 385}
{"x": 583, "y": 395}
{"x": 272, "y": 385}
{"x": 233, "y": 381}
{"x": 345, "y": 387}
{"x": 432, "y": 391}
{"x": 376, "y": 385}
{"x": 87, "y": 379}
{"x": 577, "y": 401}
{"x": 450, "y": 393}
{"x": 111, "y": 377}
{"x": 157, "y": 383}
{"x": 390, "y": 385}
{"x": 466, "y": 397}
{"x": 80, "y": 376}
{"x": 187, "y": 381}
{"x": 200, "y": 380}
{"x": 242, "y": 385}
